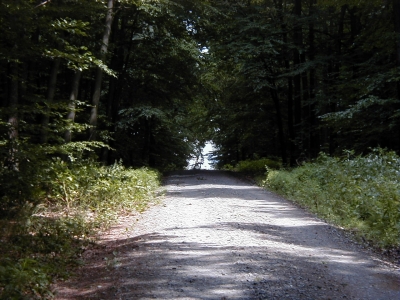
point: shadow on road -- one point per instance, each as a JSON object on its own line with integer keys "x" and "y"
{"x": 309, "y": 259}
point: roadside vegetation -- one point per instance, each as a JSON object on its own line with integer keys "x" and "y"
{"x": 93, "y": 100}
{"x": 85, "y": 84}
{"x": 254, "y": 167}
{"x": 358, "y": 193}
{"x": 50, "y": 216}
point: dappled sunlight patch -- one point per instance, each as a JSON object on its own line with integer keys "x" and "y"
{"x": 234, "y": 244}
{"x": 44, "y": 241}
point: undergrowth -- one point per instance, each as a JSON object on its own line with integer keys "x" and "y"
{"x": 360, "y": 193}
{"x": 42, "y": 236}
{"x": 256, "y": 167}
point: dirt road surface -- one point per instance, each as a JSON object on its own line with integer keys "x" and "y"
{"x": 214, "y": 236}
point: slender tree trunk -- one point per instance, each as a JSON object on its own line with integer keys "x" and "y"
{"x": 117, "y": 63}
{"x": 152, "y": 141}
{"x": 334, "y": 105}
{"x": 24, "y": 79}
{"x": 292, "y": 134}
{"x": 237, "y": 151}
{"x": 117, "y": 56}
{"x": 146, "y": 142}
{"x": 4, "y": 85}
{"x": 99, "y": 72}
{"x": 326, "y": 87}
{"x": 304, "y": 115}
{"x": 314, "y": 131}
{"x": 71, "y": 105}
{"x": 297, "y": 97}
{"x": 355, "y": 30}
{"x": 124, "y": 66}
{"x": 115, "y": 103}
{"x": 13, "y": 117}
{"x": 396, "y": 11}
{"x": 281, "y": 135}
{"x": 396, "y": 18}
{"x": 291, "y": 131}
{"x": 116, "y": 85}
{"x": 51, "y": 90}
{"x": 340, "y": 33}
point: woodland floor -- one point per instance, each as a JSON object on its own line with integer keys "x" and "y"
{"x": 214, "y": 236}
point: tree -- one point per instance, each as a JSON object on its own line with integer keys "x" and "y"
{"x": 327, "y": 67}
{"x": 99, "y": 72}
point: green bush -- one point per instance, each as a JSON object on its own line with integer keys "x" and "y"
{"x": 55, "y": 220}
{"x": 228, "y": 167}
{"x": 105, "y": 191}
{"x": 258, "y": 166}
{"x": 359, "y": 193}
{"x": 24, "y": 275}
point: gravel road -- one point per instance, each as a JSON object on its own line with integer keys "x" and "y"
{"x": 214, "y": 236}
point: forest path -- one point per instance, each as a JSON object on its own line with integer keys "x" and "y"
{"x": 217, "y": 237}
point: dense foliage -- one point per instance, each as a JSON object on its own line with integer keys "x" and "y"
{"x": 126, "y": 74}
{"x": 303, "y": 76}
{"x": 145, "y": 83}
{"x": 361, "y": 193}
{"x": 254, "y": 167}
{"x": 44, "y": 238}
{"x": 84, "y": 82}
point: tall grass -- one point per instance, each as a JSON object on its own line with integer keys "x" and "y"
{"x": 361, "y": 193}
{"x": 71, "y": 202}
{"x": 104, "y": 192}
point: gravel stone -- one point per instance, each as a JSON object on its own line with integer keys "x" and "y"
{"x": 215, "y": 236}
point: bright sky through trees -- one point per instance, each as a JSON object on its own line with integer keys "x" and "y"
{"x": 206, "y": 165}
{"x": 207, "y": 149}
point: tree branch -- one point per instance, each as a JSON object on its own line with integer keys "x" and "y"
{"x": 43, "y": 3}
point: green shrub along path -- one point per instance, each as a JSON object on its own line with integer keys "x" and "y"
{"x": 214, "y": 236}
{"x": 360, "y": 193}
{"x": 43, "y": 240}
{"x": 98, "y": 98}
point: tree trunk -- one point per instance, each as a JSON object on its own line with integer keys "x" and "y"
{"x": 146, "y": 142}
{"x": 291, "y": 131}
{"x": 51, "y": 90}
{"x": 117, "y": 63}
{"x": 279, "y": 121}
{"x": 396, "y": 12}
{"x": 99, "y": 72}
{"x": 71, "y": 105}
{"x": 4, "y": 86}
{"x": 335, "y": 105}
{"x": 292, "y": 134}
{"x": 298, "y": 42}
{"x": 13, "y": 117}
{"x": 116, "y": 85}
{"x": 313, "y": 131}
{"x": 152, "y": 156}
